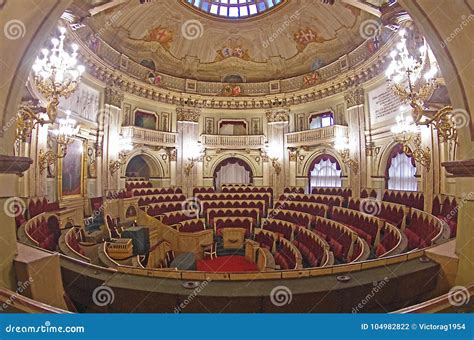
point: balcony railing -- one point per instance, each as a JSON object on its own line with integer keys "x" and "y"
{"x": 149, "y": 137}
{"x": 233, "y": 142}
{"x": 316, "y": 136}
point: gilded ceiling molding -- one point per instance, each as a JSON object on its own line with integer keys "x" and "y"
{"x": 354, "y": 97}
{"x": 188, "y": 115}
{"x": 113, "y": 97}
{"x": 107, "y": 73}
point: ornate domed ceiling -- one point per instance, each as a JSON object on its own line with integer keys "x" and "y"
{"x": 172, "y": 37}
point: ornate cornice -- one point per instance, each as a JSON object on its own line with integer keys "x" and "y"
{"x": 464, "y": 168}
{"x": 363, "y": 72}
{"x": 14, "y": 165}
{"x": 354, "y": 97}
{"x": 188, "y": 115}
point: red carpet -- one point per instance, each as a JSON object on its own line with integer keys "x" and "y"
{"x": 232, "y": 263}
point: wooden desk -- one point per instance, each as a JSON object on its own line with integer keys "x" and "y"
{"x": 233, "y": 237}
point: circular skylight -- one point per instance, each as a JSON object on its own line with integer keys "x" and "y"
{"x": 234, "y": 9}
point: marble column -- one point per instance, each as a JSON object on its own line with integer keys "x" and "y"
{"x": 356, "y": 121}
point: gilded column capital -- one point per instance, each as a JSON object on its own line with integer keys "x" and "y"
{"x": 113, "y": 97}
{"x": 354, "y": 97}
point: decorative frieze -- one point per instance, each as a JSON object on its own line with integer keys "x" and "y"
{"x": 188, "y": 115}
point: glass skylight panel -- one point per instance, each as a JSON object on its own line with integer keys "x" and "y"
{"x": 234, "y": 9}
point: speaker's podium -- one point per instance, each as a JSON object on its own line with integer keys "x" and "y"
{"x": 39, "y": 276}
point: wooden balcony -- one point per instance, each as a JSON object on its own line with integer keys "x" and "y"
{"x": 316, "y": 136}
{"x": 233, "y": 142}
{"x": 149, "y": 137}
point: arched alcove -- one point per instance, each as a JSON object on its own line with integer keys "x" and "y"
{"x": 232, "y": 170}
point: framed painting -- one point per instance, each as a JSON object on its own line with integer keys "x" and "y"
{"x": 255, "y": 122}
{"x": 71, "y": 171}
{"x": 166, "y": 121}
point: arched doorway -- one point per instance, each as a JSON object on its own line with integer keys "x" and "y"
{"x": 232, "y": 171}
{"x": 324, "y": 171}
{"x": 400, "y": 173}
{"x": 137, "y": 167}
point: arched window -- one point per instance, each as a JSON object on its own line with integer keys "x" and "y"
{"x": 325, "y": 172}
{"x": 401, "y": 170}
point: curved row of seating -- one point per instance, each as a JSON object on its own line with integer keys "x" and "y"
{"x": 247, "y": 189}
{"x": 175, "y": 217}
{"x": 191, "y": 226}
{"x": 393, "y": 213}
{"x": 296, "y": 217}
{"x": 246, "y": 223}
{"x": 265, "y": 238}
{"x": 294, "y": 190}
{"x": 423, "y": 230}
{"x": 322, "y": 199}
{"x": 412, "y": 199}
{"x": 137, "y": 184}
{"x": 315, "y": 209}
{"x": 366, "y": 226}
{"x": 368, "y": 192}
{"x": 344, "y": 192}
{"x": 146, "y": 200}
{"x": 229, "y": 196}
{"x": 390, "y": 240}
{"x": 252, "y": 213}
{"x": 43, "y": 232}
{"x": 314, "y": 250}
{"x": 156, "y": 191}
{"x": 155, "y": 209}
{"x": 232, "y": 204}
{"x": 279, "y": 227}
{"x": 287, "y": 256}
{"x": 342, "y": 241}
{"x": 446, "y": 208}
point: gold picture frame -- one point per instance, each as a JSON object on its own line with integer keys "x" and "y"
{"x": 74, "y": 157}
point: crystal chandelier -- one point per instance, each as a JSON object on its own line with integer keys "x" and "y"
{"x": 125, "y": 145}
{"x": 56, "y": 75}
{"x": 342, "y": 146}
{"x": 413, "y": 78}
{"x": 67, "y": 129}
{"x": 406, "y": 133}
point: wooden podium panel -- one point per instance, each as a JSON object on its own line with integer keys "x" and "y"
{"x": 38, "y": 276}
{"x": 233, "y": 237}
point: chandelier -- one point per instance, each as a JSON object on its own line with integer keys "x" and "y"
{"x": 124, "y": 147}
{"x": 56, "y": 75}
{"x": 342, "y": 146}
{"x": 412, "y": 76}
{"x": 406, "y": 133}
{"x": 67, "y": 129}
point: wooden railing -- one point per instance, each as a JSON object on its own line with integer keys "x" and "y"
{"x": 233, "y": 142}
{"x": 149, "y": 137}
{"x": 316, "y": 136}
{"x": 440, "y": 304}
{"x": 15, "y": 303}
